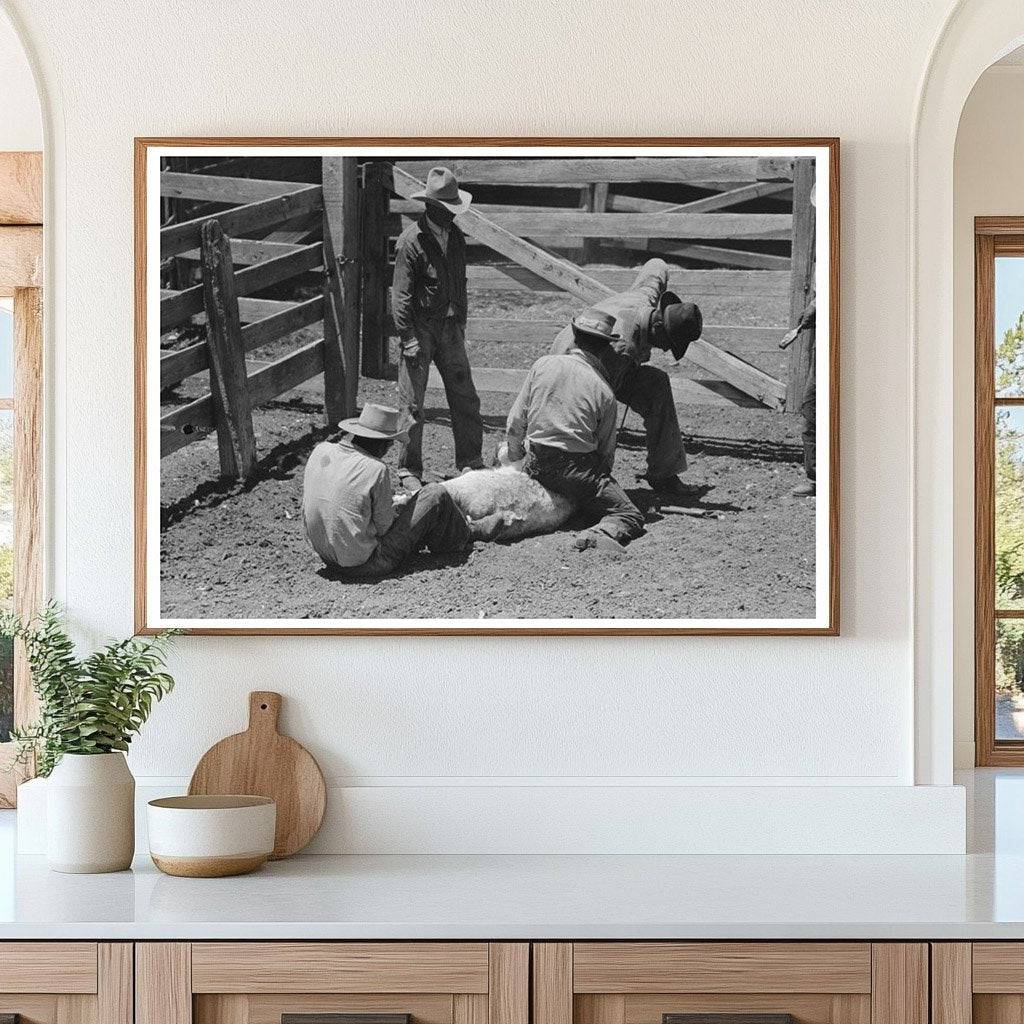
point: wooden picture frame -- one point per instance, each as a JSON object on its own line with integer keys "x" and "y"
{"x": 21, "y": 267}
{"x": 344, "y": 311}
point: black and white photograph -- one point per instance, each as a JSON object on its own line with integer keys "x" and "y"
{"x": 442, "y": 387}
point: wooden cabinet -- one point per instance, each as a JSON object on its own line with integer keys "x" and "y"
{"x": 979, "y": 982}
{"x": 259, "y": 982}
{"x": 815, "y": 982}
{"x": 66, "y": 982}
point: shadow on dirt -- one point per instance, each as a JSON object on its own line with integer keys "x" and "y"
{"x": 280, "y": 463}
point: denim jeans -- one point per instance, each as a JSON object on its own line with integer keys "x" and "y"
{"x": 808, "y": 409}
{"x": 583, "y": 478}
{"x": 444, "y": 343}
{"x": 430, "y": 519}
{"x": 647, "y": 391}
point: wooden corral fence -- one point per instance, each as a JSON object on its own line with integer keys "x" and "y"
{"x": 247, "y": 235}
{"x": 286, "y": 214}
{"x": 533, "y": 244}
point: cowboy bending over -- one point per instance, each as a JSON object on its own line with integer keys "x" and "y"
{"x": 648, "y": 316}
{"x": 563, "y": 421}
{"x": 348, "y": 510}
{"x": 428, "y": 301}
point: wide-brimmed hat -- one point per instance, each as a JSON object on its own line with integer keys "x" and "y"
{"x": 682, "y": 323}
{"x": 380, "y": 422}
{"x": 443, "y": 187}
{"x": 593, "y": 323}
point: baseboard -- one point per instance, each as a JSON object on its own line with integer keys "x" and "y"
{"x": 600, "y": 819}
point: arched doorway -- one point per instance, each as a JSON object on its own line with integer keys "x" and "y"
{"x": 975, "y": 35}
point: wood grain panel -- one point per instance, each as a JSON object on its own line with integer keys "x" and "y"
{"x": 21, "y": 188}
{"x": 722, "y": 967}
{"x": 115, "y": 983}
{"x": 998, "y": 1009}
{"x": 468, "y": 1009}
{"x": 851, "y": 1009}
{"x": 951, "y": 983}
{"x": 599, "y": 1009}
{"x": 33, "y": 1009}
{"x": 231, "y": 1009}
{"x": 552, "y": 983}
{"x": 267, "y": 1009}
{"x": 48, "y": 967}
{"x": 76, "y": 1009}
{"x": 509, "y": 983}
{"x": 339, "y": 967}
{"x": 806, "y": 1008}
{"x": 899, "y": 990}
{"x": 163, "y": 983}
{"x": 21, "y": 258}
{"x": 998, "y": 967}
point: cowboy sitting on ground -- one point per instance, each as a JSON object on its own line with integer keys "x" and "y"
{"x": 429, "y": 307}
{"x": 348, "y": 510}
{"x": 563, "y": 421}
{"x": 648, "y": 316}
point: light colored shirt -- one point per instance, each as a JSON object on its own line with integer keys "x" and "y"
{"x": 565, "y": 403}
{"x": 346, "y": 502}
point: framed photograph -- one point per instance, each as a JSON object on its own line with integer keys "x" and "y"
{"x": 487, "y": 386}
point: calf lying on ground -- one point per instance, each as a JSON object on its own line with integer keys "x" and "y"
{"x": 530, "y": 508}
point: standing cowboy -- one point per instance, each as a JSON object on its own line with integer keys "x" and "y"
{"x": 429, "y": 308}
{"x": 648, "y": 316}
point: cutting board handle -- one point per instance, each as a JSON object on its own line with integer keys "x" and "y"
{"x": 264, "y": 710}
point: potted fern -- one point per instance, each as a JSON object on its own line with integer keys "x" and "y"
{"x": 89, "y": 710}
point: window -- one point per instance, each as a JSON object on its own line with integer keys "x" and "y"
{"x": 999, "y": 491}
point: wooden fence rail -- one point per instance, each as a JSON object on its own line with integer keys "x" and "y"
{"x": 238, "y": 323}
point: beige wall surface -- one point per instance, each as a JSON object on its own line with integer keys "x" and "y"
{"x": 988, "y": 181}
{"x": 21, "y": 123}
{"x": 440, "y": 711}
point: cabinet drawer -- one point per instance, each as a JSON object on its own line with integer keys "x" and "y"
{"x": 340, "y": 967}
{"x": 636, "y": 967}
{"x": 48, "y": 967}
{"x": 731, "y": 982}
{"x": 261, "y": 982}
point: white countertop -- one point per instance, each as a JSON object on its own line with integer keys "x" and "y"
{"x": 532, "y": 897}
{"x": 978, "y": 896}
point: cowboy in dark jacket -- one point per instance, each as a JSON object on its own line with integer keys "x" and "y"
{"x": 429, "y": 309}
{"x": 648, "y": 316}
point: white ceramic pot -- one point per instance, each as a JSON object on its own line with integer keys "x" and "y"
{"x": 211, "y": 836}
{"x": 90, "y": 814}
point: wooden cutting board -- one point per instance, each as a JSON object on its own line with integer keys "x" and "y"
{"x": 262, "y": 762}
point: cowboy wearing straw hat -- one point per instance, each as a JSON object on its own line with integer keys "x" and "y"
{"x": 349, "y": 514}
{"x": 429, "y": 307}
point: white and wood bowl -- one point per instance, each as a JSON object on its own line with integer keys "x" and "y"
{"x": 211, "y": 836}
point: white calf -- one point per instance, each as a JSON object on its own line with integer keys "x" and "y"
{"x": 531, "y": 507}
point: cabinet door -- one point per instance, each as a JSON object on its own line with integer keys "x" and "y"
{"x": 314, "y": 982}
{"x": 733, "y": 982}
{"x": 66, "y": 982}
{"x": 981, "y": 982}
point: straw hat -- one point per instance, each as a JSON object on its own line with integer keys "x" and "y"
{"x": 376, "y": 421}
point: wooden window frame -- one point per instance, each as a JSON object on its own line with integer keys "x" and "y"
{"x": 21, "y": 262}
{"x": 993, "y": 237}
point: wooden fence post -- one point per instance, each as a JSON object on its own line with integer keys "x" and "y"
{"x": 341, "y": 286}
{"x": 595, "y": 201}
{"x": 229, "y": 386}
{"x": 375, "y": 205}
{"x": 801, "y": 280}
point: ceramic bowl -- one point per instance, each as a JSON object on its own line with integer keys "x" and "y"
{"x": 211, "y": 836}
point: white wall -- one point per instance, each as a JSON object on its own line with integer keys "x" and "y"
{"x": 21, "y": 124}
{"x": 444, "y": 713}
{"x": 988, "y": 181}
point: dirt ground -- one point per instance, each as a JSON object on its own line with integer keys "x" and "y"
{"x": 239, "y": 551}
